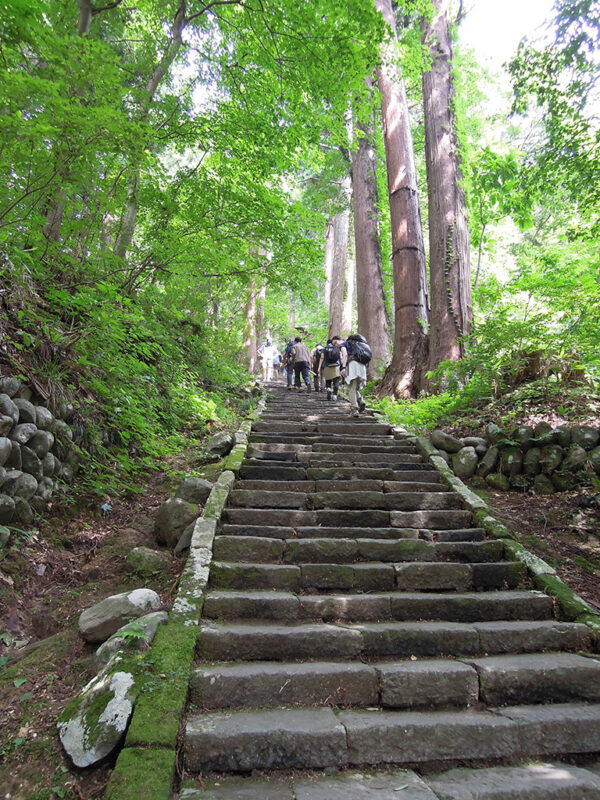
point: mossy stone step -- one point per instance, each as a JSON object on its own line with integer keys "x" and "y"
{"x": 329, "y": 518}
{"x": 378, "y": 607}
{"x": 376, "y": 640}
{"x": 538, "y": 678}
{"x": 403, "y": 472}
{"x": 358, "y": 457}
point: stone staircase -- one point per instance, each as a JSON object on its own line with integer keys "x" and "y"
{"x": 361, "y": 639}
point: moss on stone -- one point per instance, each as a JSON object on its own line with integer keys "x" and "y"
{"x": 571, "y": 604}
{"x": 160, "y": 706}
{"x": 141, "y": 774}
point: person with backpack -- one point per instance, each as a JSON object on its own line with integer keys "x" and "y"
{"x": 356, "y": 354}
{"x": 331, "y": 361}
{"x": 315, "y": 359}
{"x": 301, "y": 360}
{"x": 288, "y": 364}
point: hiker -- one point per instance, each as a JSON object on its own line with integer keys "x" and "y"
{"x": 276, "y": 364}
{"x": 301, "y": 358}
{"x": 356, "y": 354}
{"x": 267, "y": 354}
{"x": 331, "y": 361}
{"x": 288, "y": 364}
{"x": 315, "y": 362}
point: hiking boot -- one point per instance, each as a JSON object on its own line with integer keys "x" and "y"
{"x": 328, "y": 394}
{"x": 308, "y": 388}
{"x": 361, "y": 405}
{"x": 355, "y": 413}
{"x": 289, "y": 388}
{"x": 334, "y": 398}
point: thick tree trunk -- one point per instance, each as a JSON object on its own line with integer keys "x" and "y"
{"x": 250, "y": 332}
{"x": 129, "y": 215}
{"x": 449, "y": 258}
{"x": 338, "y": 271}
{"x": 372, "y": 320}
{"x": 349, "y": 284}
{"x": 329, "y": 238}
{"x": 404, "y": 376}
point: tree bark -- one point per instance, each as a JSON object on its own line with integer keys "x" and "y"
{"x": 338, "y": 271}
{"x": 372, "y": 318}
{"x": 449, "y": 257}
{"x": 404, "y": 376}
{"x": 250, "y": 332}
{"x": 328, "y": 261}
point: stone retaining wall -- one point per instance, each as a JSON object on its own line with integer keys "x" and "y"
{"x": 543, "y": 458}
{"x": 37, "y": 451}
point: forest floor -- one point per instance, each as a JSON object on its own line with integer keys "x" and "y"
{"x": 77, "y": 558}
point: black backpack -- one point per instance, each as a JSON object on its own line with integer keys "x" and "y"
{"x": 331, "y": 356}
{"x": 358, "y": 349}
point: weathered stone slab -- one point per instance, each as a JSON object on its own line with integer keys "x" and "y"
{"x": 533, "y": 782}
{"x": 244, "y": 741}
{"x": 551, "y": 677}
{"x": 349, "y": 607}
{"x": 499, "y": 575}
{"x": 434, "y": 520}
{"x": 239, "y": 788}
{"x": 556, "y": 728}
{"x": 363, "y": 534}
{"x": 269, "y": 516}
{"x": 530, "y": 637}
{"x": 405, "y": 639}
{"x": 420, "y": 684}
{"x": 247, "y": 548}
{"x": 374, "y": 577}
{"x": 266, "y": 684}
{"x": 471, "y": 552}
{"x": 336, "y": 550}
{"x": 277, "y": 642}
{"x": 327, "y": 576}
{"x": 458, "y": 535}
{"x": 238, "y": 575}
{"x": 351, "y": 519}
{"x": 103, "y": 619}
{"x": 431, "y": 576}
{"x": 413, "y": 737}
{"x": 251, "y": 605}
{"x": 357, "y": 485}
{"x": 363, "y": 786}
{"x": 285, "y": 486}
{"x": 264, "y": 531}
{"x": 472, "y": 606}
{"x": 254, "y": 471}
{"x": 273, "y": 499}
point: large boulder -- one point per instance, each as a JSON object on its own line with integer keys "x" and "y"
{"x": 498, "y": 481}
{"x": 26, "y": 410}
{"x": 23, "y": 511}
{"x": 22, "y": 433}
{"x": 145, "y": 561}
{"x": 9, "y": 385}
{"x": 444, "y": 441}
{"x": 41, "y": 442}
{"x": 194, "y": 490}
{"x": 106, "y": 617}
{"x": 551, "y": 458}
{"x": 543, "y": 485}
{"x": 44, "y": 418}
{"x": 7, "y": 508}
{"x": 94, "y": 722}
{"x": 31, "y": 463}
{"x": 14, "y": 460}
{"x": 522, "y": 435}
{"x": 45, "y": 488}
{"x": 585, "y": 436}
{"x": 532, "y": 462}
{"x": 6, "y": 424}
{"x": 489, "y": 462}
{"x": 464, "y": 463}
{"x": 594, "y": 459}
{"x": 173, "y": 516}
{"x": 478, "y": 442}
{"x": 541, "y": 429}
{"x": 220, "y": 444}
{"x": 575, "y": 459}
{"x": 8, "y": 408}
{"x": 49, "y": 465}
{"x": 563, "y": 435}
{"x": 25, "y": 486}
{"x": 494, "y": 433}
{"x": 5, "y": 449}
{"x": 511, "y": 462}
{"x": 136, "y": 635}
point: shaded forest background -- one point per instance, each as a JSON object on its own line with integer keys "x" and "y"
{"x": 179, "y": 181}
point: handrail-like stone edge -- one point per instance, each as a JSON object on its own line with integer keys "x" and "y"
{"x": 151, "y": 738}
{"x": 544, "y": 576}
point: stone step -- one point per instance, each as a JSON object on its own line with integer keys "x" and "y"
{"x": 434, "y": 520}
{"x": 342, "y": 550}
{"x": 252, "y": 685}
{"x": 406, "y": 472}
{"x": 309, "y": 532}
{"x": 254, "y": 470}
{"x": 538, "y": 678}
{"x": 378, "y": 607}
{"x": 361, "y": 426}
{"x": 357, "y": 457}
{"x": 428, "y": 485}
{"x": 533, "y": 781}
{"x": 317, "y": 738}
{"x": 346, "y": 500}
{"x": 258, "y": 438}
{"x": 329, "y": 518}
{"x": 376, "y": 640}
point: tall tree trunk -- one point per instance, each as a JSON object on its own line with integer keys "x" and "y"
{"x": 130, "y": 211}
{"x": 449, "y": 258}
{"x": 250, "y": 332}
{"x": 338, "y": 271}
{"x": 349, "y": 286}
{"x": 404, "y": 375}
{"x": 260, "y": 315}
{"x": 372, "y": 318}
{"x": 329, "y": 239}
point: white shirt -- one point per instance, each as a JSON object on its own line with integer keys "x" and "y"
{"x": 356, "y": 370}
